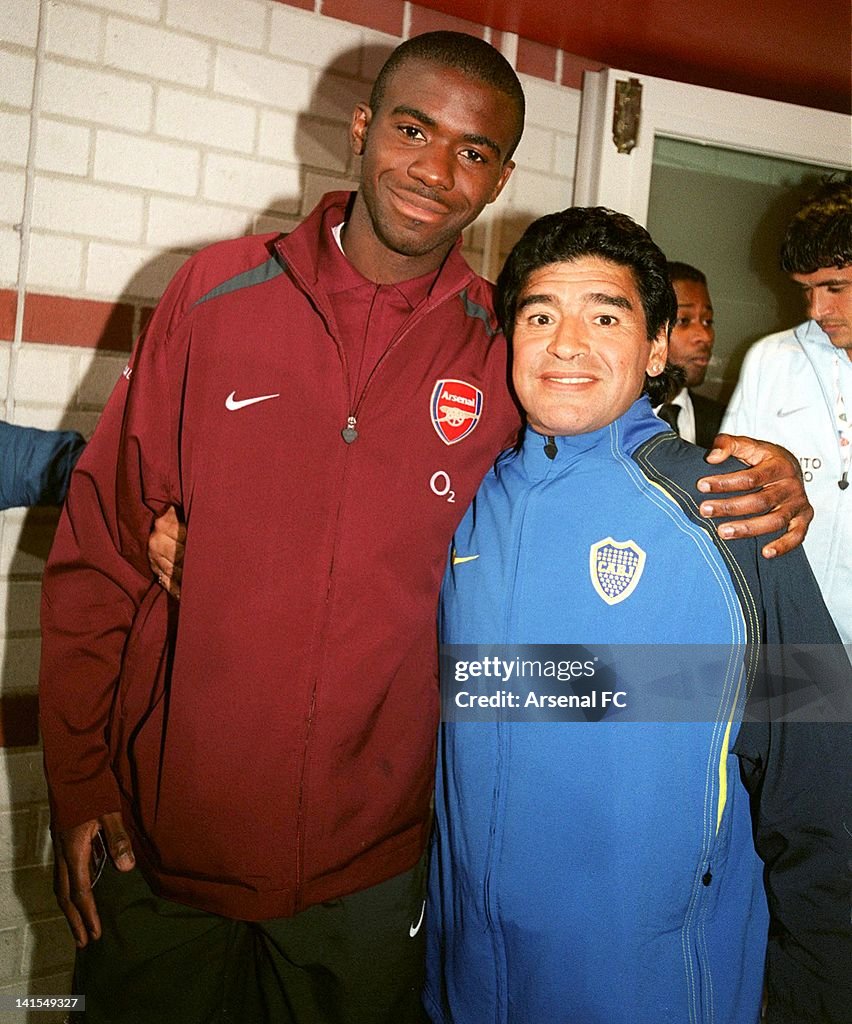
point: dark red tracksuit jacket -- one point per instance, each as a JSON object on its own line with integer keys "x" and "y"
{"x": 271, "y": 741}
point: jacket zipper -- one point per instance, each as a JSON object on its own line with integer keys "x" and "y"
{"x": 349, "y": 434}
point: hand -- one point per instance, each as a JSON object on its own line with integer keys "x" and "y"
{"x": 165, "y": 551}
{"x": 72, "y": 881}
{"x": 779, "y": 501}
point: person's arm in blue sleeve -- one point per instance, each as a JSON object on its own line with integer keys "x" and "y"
{"x": 36, "y": 465}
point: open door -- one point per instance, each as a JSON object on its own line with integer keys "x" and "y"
{"x": 715, "y": 177}
{"x": 621, "y": 180}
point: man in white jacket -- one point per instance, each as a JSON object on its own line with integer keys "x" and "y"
{"x": 795, "y": 387}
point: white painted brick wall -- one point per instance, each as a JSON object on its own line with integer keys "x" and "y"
{"x": 21, "y": 778}
{"x": 311, "y": 39}
{"x": 47, "y": 372}
{"x": 80, "y": 207}
{"x": 19, "y": 22}
{"x": 74, "y": 31}
{"x": 261, "y": 79}
{"x": 97, "y": 373}
{"x": 150, "y": 10}
{"x": 19, "y": 658}
{"x": 11, "y": 196}
{"x": 243, "y": 24}
{"x": 16, "y": 73}
{"x": 204, "y": 119}
{"x": 14, "y": 138}
{"x": 157, "y": 53}
{"x": 146, "y": 163}
{"x": 102, "y": 97}
{"x": 129, "y": 271}
{"x": 5, "y": 352}
{"x": 174, "y": 223}
{"x": 10, "y": 243}
{"x": 55, "y": 263}
{"x": 62, "y": 147}
{"x": 253, "y": 184}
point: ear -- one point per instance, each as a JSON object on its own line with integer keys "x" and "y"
{"x": 659, "y": 352}
{"x": 362, "y": 115}
{"x": 505, "y": 174}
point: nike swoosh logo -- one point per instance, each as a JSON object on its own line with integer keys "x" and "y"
{"x": 232, "y": 403}
{"x": 789, "y": 412}
{"x": 413, "y": 929}
{"x": 458, "y": 559}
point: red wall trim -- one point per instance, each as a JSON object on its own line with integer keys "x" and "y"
{"x": 8, "y": 307}
{"x": 425, "y": 20}
{"x": 536, "y": 59}
{"x": 59, "y": 320}
{"x": 384, "y": 16}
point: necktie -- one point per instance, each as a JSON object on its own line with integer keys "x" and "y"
{"x": 669, "y": 412}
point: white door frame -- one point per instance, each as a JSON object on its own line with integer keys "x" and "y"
{"x": 621, "y": 181}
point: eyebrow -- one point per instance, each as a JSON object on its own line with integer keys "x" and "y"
{"x": 832, "y": 282}
{"x": 430, "y": 122}
{"x": 602, "y": 298}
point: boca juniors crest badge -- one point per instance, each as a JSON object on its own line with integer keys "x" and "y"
{"x": 455, "y": 407}
{"x": 616, "y": 568}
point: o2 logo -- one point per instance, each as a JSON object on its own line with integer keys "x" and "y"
{"x": 441, "y": 485}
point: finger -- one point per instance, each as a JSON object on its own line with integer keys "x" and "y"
{"x": 746, "y": 479}
{"x": 169, "y": 524}
{"x": 787, "y": 541}
{"x": 171, "y": 586}
{"x": 772, "y": 522}
{"x": 755, "y": 503}
{"x": 117, "y": 841}
{"x": 62, "y": 891}
{"x": 78, "y": 855}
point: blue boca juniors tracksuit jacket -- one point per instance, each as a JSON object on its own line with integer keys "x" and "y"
{"x": 594, "y": 872}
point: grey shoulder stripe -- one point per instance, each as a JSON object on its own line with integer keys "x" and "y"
{"x": 266, "y": 271}
{"x": 473, "y": 309}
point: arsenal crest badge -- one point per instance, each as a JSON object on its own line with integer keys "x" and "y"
{"x": 615, "y": 568}
{"x": 455, "y": 407}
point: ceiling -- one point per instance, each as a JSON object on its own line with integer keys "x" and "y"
{"x": 780, "y": 49}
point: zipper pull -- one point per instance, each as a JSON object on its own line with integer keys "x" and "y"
{"x": 349, "y": 433}
{"x": 550, "y": 448}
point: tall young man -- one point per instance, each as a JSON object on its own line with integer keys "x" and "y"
{"x": 268, "y": 757}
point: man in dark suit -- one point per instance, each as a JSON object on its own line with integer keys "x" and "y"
{"x": 693, "y": 416}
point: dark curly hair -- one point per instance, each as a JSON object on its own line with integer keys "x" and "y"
{"x": 820, "y": 233}
{"x": 578, "y": 232}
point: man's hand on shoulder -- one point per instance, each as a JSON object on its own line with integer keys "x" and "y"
{"x": 165, "y": 551}
{"x": 778, "y": 501}
{"x": 75, "y": 869}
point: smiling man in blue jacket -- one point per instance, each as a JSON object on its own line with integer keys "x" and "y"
{"x": 643, "y": 868}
